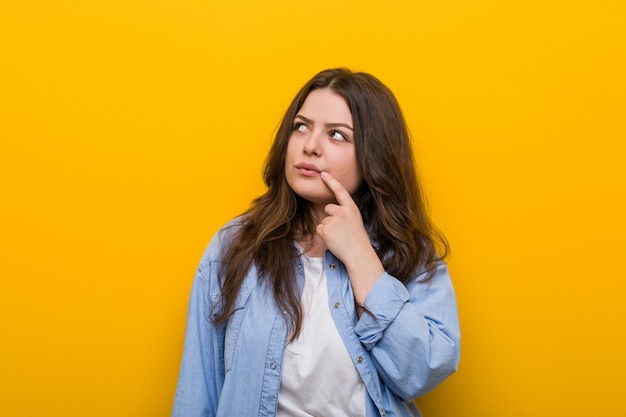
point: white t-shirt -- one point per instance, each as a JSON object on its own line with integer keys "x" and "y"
{"x": 318, "y": 376}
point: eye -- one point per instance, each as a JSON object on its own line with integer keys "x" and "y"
{"x": 337, "y": 135}
{"x": 300, "y": 127}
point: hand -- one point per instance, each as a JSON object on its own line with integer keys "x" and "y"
{"x": 342, "y": 229}
{"x": 344, "y": 234}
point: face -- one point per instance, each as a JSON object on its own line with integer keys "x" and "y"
{"x": 322, "y": 139}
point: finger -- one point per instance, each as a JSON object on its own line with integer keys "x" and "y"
{"x": 331, "y": 209}
{"x": 341, "y": 194}
{"x": 319, "y": 229}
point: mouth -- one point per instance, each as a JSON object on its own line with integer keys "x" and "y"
{"x": 308, "y": 170}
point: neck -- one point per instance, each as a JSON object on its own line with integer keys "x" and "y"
{"x": 313, "y": 245}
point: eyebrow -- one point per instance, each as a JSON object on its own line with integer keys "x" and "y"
{"x": 309, "y": 121}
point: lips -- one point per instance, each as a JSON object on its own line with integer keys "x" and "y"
{"x": 309, "y": 170}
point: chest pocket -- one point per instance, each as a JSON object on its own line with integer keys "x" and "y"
{"x": 233, "y": 326}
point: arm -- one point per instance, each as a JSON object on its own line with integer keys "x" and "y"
{"x": 413, "y": 336}
{"x": 344, "y": 234}
{"x": 201, "y": 371}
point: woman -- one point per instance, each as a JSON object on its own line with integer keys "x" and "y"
{"x": 327, "y": 297}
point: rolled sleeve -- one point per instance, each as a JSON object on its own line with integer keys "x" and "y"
{"x": 412, "y": 334}
{"x": 382, "y": 305}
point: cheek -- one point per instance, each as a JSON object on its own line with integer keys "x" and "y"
{"x": 351, "y": 175}
{"x": 357, "y": 179}
{"x": 291, "y": 150}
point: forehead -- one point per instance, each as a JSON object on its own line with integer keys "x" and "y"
{"x": 325, "y": 105}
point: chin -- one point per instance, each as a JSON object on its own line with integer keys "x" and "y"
{"x": 317, "y": 197}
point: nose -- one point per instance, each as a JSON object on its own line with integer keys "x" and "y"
{"x": 313, "y": 144}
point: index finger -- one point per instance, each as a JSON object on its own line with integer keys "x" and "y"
{"x": 341, "y": 194}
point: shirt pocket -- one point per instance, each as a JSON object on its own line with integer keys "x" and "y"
{"x": 233, "y": 326}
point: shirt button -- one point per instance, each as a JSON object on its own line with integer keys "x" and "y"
{"x": 273, "y": 365}
{"x": 336, "y": 305}
{"x": 299, "y": 266}
{"x": 333, "y": 266}
{"x": 359, "y": 359}
{"x": 382, "y": 413}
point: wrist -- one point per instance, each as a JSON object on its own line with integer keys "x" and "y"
{"x": 363, "y": 272}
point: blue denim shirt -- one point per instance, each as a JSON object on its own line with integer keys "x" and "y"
{"x": 403, "y": 345}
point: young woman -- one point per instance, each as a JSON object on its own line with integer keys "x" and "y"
{"x": 327, "y": 297}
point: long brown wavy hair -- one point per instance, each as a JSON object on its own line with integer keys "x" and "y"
{"x": 390, "y": 200}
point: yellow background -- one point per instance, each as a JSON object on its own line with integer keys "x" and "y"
{"x": 130, "y": 130}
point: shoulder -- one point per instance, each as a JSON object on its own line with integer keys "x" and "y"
{"x": 219, "y": 241}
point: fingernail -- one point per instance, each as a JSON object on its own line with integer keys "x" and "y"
{"x": 324, "y": 174}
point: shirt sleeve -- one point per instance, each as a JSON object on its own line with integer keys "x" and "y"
{"x": 201, "y": 371}
{"x": 412, "y": 334}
